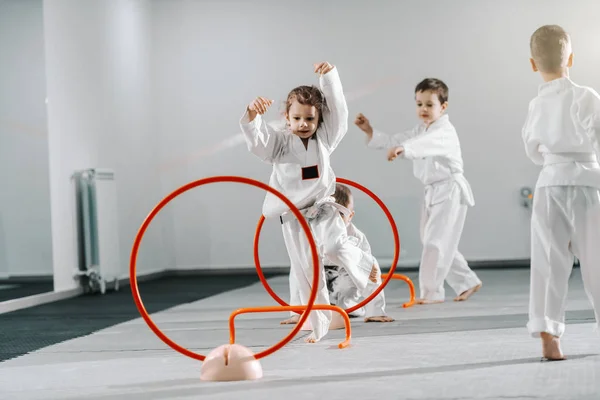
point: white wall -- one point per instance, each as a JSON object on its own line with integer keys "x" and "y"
{"x": 154, "y": 90}
{"x": 212, "y": 58}
{"x": 100, "y": 115}
{"x": 25, "y": 236}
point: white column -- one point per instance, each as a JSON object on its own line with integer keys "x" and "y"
{"x": 98, "y": 111}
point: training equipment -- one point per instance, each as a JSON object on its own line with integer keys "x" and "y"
{"x": 227, "y": 362}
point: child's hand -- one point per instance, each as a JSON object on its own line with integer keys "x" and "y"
{"x": 395, "y": 152}
{"x": 373, "y": 275}
{"x": 323, "y": 68}
{"x": 363, "y": 123}
{"x": 260, "y": 105}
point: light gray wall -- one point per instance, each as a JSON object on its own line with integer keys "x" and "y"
{"x": 25, "y": 236}
{"x": 155, "y": 89}
{"x": 212, "y": 58}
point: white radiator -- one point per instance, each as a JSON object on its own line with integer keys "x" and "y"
{"x": 97, "y": 229}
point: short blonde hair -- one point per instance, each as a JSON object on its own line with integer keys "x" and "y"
{"x": 550, "y": 48}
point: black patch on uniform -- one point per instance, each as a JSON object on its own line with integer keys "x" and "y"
{"x": 331, "y": 274}
{"x": 310, "y": 172}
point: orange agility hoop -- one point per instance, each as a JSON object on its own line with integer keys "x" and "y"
{"x": 302, "y": 220}
{"x": 138, "y": 239}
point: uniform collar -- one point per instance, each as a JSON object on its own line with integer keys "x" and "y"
{"x": 555, "y": 86}
{"x": 441, "y": 120}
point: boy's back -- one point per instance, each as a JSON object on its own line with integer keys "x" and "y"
{"x": 562, "y": 133}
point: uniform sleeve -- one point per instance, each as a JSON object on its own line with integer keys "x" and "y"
{"x": 439, "y": 142}
{"x": 341, "y": 250}
{"x": 335, "y": 112}
{"x": 362, "y": 241}
{"x": 381, "y": 140}
{"x": 532, "y": 145}
{"x": 589, "y": 116}
{"x": 261, "y": 139}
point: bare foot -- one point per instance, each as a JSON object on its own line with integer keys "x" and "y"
{"x": 467, "y": 293}
{"x": 425, "y": 301}
{"x": 382, "y": 318}
{"x": 551, "y": 347}
{"x": 290, "y": 321}
{"x": 311, "y": 338}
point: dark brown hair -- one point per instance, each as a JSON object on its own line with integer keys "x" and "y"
{"x": 433, "y": 85}
{"x": 308, "y": 96}
{"x": 342, "y": 194}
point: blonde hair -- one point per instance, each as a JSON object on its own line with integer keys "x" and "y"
{"x": 550, "y": 48}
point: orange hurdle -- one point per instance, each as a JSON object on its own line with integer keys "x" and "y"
{"x": 298, "y": 309}
{"x": 411, "y": 287}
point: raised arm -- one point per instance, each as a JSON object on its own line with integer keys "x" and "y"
{"x": 261, "y": 139}
{"x": 335, "y": 114}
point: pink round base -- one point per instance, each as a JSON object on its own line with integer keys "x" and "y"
{"x": 337, "y": 322}
{"x": 230, "y": 362}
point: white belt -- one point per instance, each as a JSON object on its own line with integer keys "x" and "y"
{"x": 562, "y": 158}
{"x": 461, "y": 181}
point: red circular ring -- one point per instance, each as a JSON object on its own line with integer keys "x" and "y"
{"x": 379, "y": 289}
{"x": 138, "y": 239}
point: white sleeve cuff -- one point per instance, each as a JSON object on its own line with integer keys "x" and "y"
{"x": 245, "y": 120}
{"x": 329, "y": 78}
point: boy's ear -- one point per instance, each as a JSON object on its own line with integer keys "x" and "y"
{"x": 533, "y": 66}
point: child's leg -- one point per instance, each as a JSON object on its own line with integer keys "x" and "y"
{"x": 461, "y": 278}
{"x": 294, "y": 299}
{"x": 442, "y": 229}
{"x": 375, "y": 309}
{"x": 586, "y": 240}
{"x": 426, "y": 275}
{"x": 302, "y": 268}
{"x": 551, "y": 265}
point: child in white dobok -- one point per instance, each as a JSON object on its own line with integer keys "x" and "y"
{"x": 434, "y": 148}
{"x": 346, "y": 288}
{"x": 561, "y": 134}
{"x": 317, "y": 120}
{"x": 342, "y": 284}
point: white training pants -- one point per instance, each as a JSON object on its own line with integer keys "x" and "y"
{"x": 442, "y": 221}
{"x": 301, "y": 276}
{"x": 565, "y": 224}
